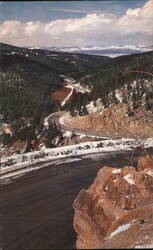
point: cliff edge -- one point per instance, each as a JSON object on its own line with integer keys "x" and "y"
{"x": 116, "y": 211}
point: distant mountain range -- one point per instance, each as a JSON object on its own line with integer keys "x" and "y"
{"x": 111, "y": 51}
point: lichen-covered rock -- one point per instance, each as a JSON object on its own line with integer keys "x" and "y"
{"x": 116, "y": 211}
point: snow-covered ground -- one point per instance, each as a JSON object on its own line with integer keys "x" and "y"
{"x": 72, "y": 150}
{"x": 46, "y": 121}
{"x": 150, "y": 246}
{"x": 73, "y": 85}
{"x": 65, "y": 118}
{"x": 77, "y": 86}
{"x": 125, "y": 227}
{"x": 129, "y": 179}
{"x": 121, "y": 229}
{"x": 95, "y": 106}
{"x": 69, "y": 95}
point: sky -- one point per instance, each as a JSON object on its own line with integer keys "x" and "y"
{"x": 77, "y": 23}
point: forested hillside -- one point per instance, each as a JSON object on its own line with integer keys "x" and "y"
{"x": 28, "y": 79}
{"x": 113, "y": 75}
{"x": 28, "y": 76}
{"x": 60, "y": 62}
{"x": 115, "y": 69}
{"x": 25, "y": 87}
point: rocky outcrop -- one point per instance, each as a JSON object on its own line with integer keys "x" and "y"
{"x": 116, "y": 211}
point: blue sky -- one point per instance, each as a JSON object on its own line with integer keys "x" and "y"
{"x": 48, "y": 11}
{"x": 77, "y": 23}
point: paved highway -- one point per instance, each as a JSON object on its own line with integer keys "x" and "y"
{"x": 7, "y": 175}
{"x": 21, "y": 169}
{"x": 54, "y": 119}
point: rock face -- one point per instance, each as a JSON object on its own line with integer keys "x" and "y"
{"x": 116, "y": 211}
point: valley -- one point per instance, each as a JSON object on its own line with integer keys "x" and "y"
{"x": 76, "y": 125}
{"x": 63, "y": 117}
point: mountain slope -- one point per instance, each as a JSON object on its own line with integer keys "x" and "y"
{"x": 114, "y": 69}
{"x": 126, "y": 83}
{"x": 29, "y": 76}
{"x": 113, "y": 75}
{"x": 61, "y": 62}
{"x": 25, "y": 86}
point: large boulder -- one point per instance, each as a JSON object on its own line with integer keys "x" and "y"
{"x": 116, "y": 211}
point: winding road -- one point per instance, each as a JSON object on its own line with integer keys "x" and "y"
{"x": 54, "y": 119}
{"x": 37, "y": 206}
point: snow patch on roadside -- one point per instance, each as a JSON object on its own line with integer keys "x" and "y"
{"x": 68, "y": 134}
{"x": 46, "y": 120}
{"x": 71, "y": 150}
{"x": 69, "y": 161}
{"x": 91, "y": 136}
{"x": 64, "y": 119}
{"x": 81, "y": 136}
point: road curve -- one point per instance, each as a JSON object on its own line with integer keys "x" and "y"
{"x": 37, "y": 207}
{"x": 13, "y": 170}
{"x": 54, "y": 119}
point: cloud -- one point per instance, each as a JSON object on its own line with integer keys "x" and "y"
{"x": 71, "y": 10}
{"x": 134, "y": 27}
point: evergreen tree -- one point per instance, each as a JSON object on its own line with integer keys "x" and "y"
{"x": 50, "y": 133}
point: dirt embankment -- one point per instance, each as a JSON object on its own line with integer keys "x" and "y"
{"x": 61, "y": 94}
{"x": 116, "y": 120}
